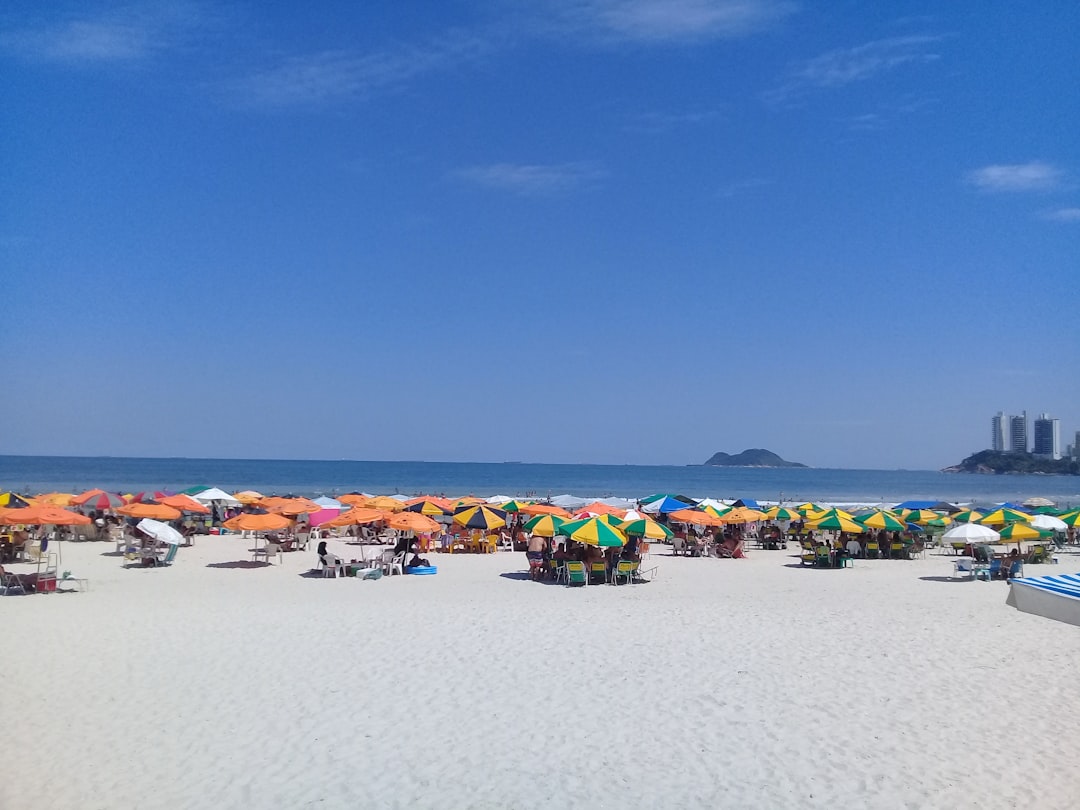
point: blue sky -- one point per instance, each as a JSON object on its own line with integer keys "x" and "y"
{"x": 611, "y": 231}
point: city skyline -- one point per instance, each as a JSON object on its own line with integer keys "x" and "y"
{"x": 575, "y": 231}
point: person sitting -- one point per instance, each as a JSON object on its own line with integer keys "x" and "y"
{"x": 561, "y": 553}
{"x": 325, "y": 557}
{"x": 418, "y": 562}
{"x": 854, "y": 548}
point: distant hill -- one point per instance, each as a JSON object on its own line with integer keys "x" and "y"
{"x": 755, "y": 457}
{"x": 994, "y": 462}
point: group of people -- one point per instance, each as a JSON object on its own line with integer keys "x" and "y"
{"x": 695, "y": 542}
{"x": 544, "y": 558}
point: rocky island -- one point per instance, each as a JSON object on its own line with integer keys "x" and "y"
{"x": 754, "y": 457}
{"x": 993, "y": 462}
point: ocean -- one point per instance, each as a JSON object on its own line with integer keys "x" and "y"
{"x": 34, "y": 474}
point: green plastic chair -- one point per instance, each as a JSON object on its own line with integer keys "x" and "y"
{"x": 625, "y": 571}
{"x": 822, "y": 558}
{"x": 873, "y": 550}
{"x": 575, "y": 573}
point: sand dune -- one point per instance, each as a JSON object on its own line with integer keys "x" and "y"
{"x": 722, "y": 684}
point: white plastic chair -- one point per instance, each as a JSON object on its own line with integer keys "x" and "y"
{"x": 964, "y": 565}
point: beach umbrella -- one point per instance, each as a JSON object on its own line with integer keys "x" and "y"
{"x": 513, "y": 506}
{"x": 609, "y": 519}
{"x": 601, "y": 508}
{"x": 881, "y": 520}
{"x": 1071, "y": 518}
{"x": 185, "y": 503}
{"x": 968, "y": 516}
{"x": 665, "y": 504}
{"x": 837, "y": 523}
{"x": 480, "y": 517}
{"x": 742, "y": 514}
{"x": 920, "y": 516}
{"x": 257, "y": 523}
{"x": 426, "y": 507}
{"x": 544, "y": 525}
{"x": 970, "y": 533}
{"x": 384, "y": 502}
{"x": 97, "y": 499}
{"x": 214, "y": 495}
{"x": 54, "y": 499}
{"x": 941, "y": 521}
{"x": 808, "y": 508}
{"x": 9, "y": 500}
{"x": 412, "y": 522}
{"x": 593, "y": 532}
{"x": 544, "y": 509}
{"x": 646, "y": 529}
{"x": 157, "y": 511}
{"x": 249, "y": 496}
{"x": 160, "y": 531}
{"x": 1000, "y": 517}
{"x": 145, "y": 497}
{"x": 695, "y": 517}
{"x": 1038, "y": 502}
{"x": 467, "y": 501}
{"x": 1049, "y": 523}
{"x": 290, "y": 506}
{"x": 1022, "y": 531}
{"x": 716, "y": 511}
{"x": 705, "y": 503}
{"x": 354, "y": 498}
{"x": 43, "y": 516}
{"x": 782, "y": 513}
{"x": 357, "y": 516}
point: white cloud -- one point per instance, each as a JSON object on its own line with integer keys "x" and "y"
{"x": 669, "y": 20}
{"x": 846, "y": 66}
{"x": 341, "y": 75}
{"x": 1063, "y": 215}
{"x": 124, "y": 35}
{"x": 1033, "y": 176}
{"x": 531, "y": 179}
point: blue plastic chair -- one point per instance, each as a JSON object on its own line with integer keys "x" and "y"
{"x": 992, "y": 571}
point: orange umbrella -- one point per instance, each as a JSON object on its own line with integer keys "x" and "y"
{"x": 185, "y": 503}
{"x": 741, "y": 514}
{"x": 358, "y": 515}
{"x": 354, "y": 498}
{"x": 54, "y": 499}
{"x": 43, "y": 516}
{"x": 543, "y": 509}
{"x": 696, "y": 517}
{"x": 248, "y": 496}
{"x": 412, "y": 522}
{"x": 384, "y": 502}
{"x": 598, "y": 508}
{"x": 435, "y": 499}
{"x": 257, "y": 523}
{"x": 289, "y": 506}
{"x": 469, "y": 500}
{"x": 156, "y": 511}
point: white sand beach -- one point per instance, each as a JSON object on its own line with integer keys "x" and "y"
{"x": 723, "y": 683}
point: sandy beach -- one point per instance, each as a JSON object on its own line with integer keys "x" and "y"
{"x": 723, "y": 683}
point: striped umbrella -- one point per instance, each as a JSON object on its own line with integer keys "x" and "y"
{"x": 1000, "y": 517}
{"x": 645, "y": 528}
{"x": 593, "y": 532}
{"x": 968, "y": 516}
{"x": 1071, "y": 518}
{"x": 782, "y": 513}
{"x": 480, "y": 517}
{"x": 920, "y": 516}
{"x": 544, "y": 525}
{"x": 97, "y": 499}
{"x": 426, "y": 507}
{"x": 837, "y": 523}
{"x": 9, "y": 500}
{"x": 716, "y": 511}
{"x": 881, "y": 520}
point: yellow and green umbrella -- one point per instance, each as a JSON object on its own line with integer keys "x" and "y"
{"x": 881, "y": 520}
{"x": 968, "y": 516}
{"x": 1071, "y": 518}
{"x": 513, "y": 506}
{"x": 808, "y": 508}
{"x": 593, "y": 532}
{"x": 837, "y": 523}
{"x": 783, "y": 513}
{"x": 920, "y": 516}
{"x": 480, "y": 517}
{"x": 1021, "y": 531}
{"x": 544, "y": 525}
{"x": 828, "y": 513}
{"x": 715, "y": 511}
{"x": 1000, "y": 517}
{"x": 646, "y": 529}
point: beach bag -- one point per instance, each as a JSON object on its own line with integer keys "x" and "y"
{"x": 374, "y": 573}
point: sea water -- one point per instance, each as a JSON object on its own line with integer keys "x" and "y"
{"x": 31, "y": 474}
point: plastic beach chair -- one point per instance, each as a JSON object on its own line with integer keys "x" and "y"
{"x": 575, "y": 573}
{"x": 625, "y": 571}
{"x": 965, "y": 566}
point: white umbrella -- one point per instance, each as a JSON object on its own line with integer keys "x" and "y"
{"x": 214, "y": 494}
{"x": 1048, "y": 522}
{"x": 971, "y": 533}
{"x": 161, "y": 531}
{"x": 329, "y": 503}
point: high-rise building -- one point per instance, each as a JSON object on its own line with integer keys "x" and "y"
{"x": 1076, "y": 445}
{"x": 1047, "y": 437}
{"x": 1018, "y": 433}
{"x": 997, "y": 432}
